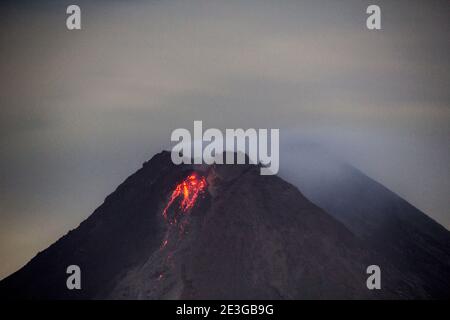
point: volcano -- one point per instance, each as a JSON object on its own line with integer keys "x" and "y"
{"x": 208, "y": 232}
{"x": 413, "y": 243}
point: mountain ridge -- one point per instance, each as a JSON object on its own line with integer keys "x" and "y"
{"x": 413, "y": 242}
{"x": 247, "y": 237}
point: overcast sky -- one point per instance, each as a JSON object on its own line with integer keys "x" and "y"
{"x": 81, "y": 110}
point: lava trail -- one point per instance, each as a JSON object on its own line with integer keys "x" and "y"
{"x": 188, "y": 190}
{"x": 185, "y": 194}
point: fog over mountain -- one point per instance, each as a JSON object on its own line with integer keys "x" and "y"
{"x": 82, "y": 109}
{"x": 406, "y": 237}
{"x": 227, "y": 232}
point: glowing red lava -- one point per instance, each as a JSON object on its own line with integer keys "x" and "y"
{"x": 189, "y": 190}
{"x": 185, "y": 194}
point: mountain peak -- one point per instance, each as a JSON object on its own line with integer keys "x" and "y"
{"x": 205, "y": 232}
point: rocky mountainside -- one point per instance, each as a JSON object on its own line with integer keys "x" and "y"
{"x": 413, "y": 243}
{"x": 209, "y": 232}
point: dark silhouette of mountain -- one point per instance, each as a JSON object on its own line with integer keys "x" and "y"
{"x": 209, "y": 232}
{"x": 414, "y": 244}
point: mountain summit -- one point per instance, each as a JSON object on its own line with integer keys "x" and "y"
{"x": 207, "y": 232}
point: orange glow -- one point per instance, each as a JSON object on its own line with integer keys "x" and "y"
{"x": 185, "y": 194}
{"x": 189, "y": 190}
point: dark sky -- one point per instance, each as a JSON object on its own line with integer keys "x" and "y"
{"x": 81, "y": 110}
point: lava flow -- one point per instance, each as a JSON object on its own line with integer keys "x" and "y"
{"x": 189, "y": 190}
